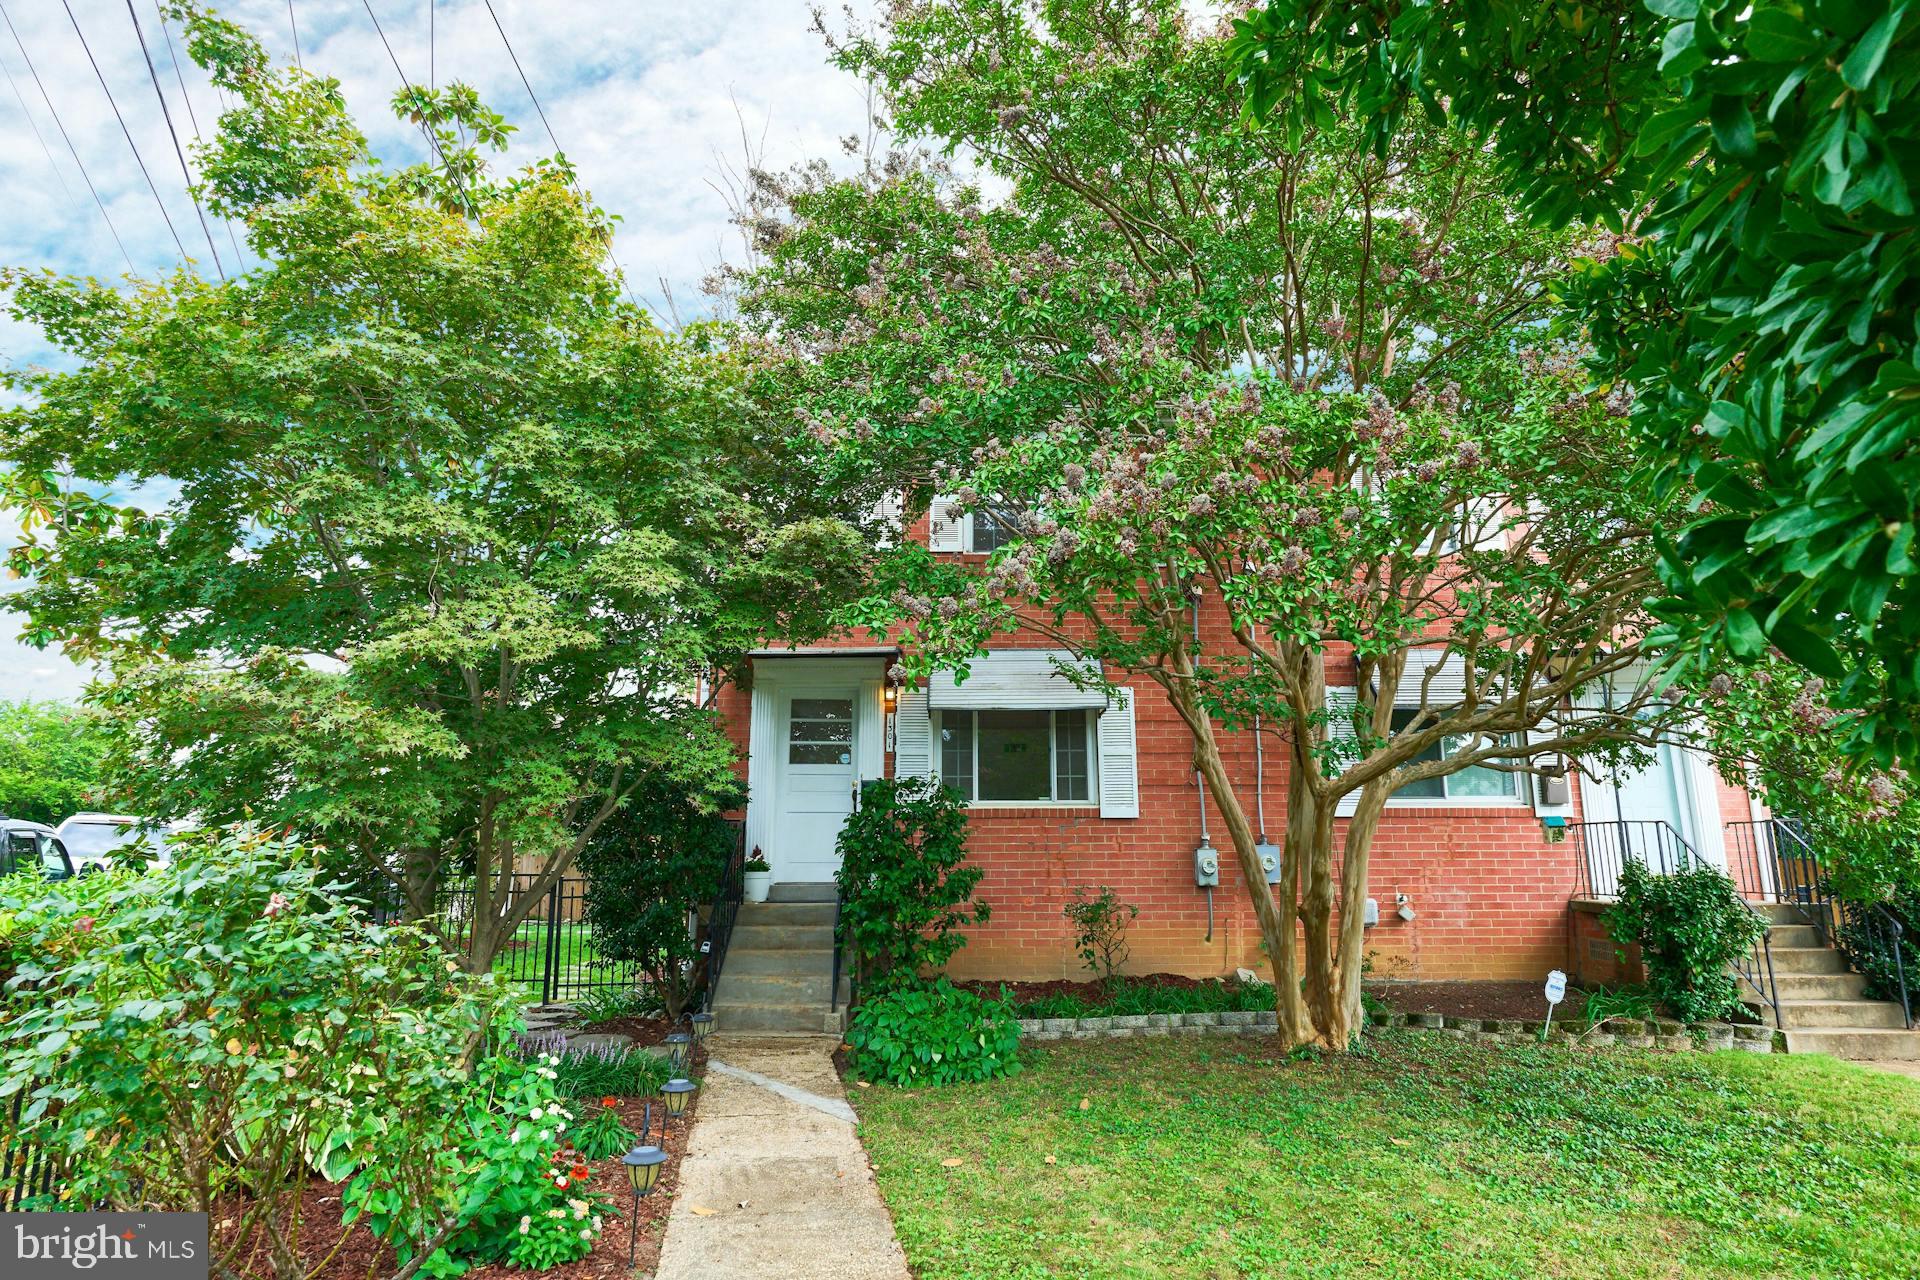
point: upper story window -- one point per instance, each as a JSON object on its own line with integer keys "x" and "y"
{"x": 1017, "y": 757}
{"x": 1475, "y": 782}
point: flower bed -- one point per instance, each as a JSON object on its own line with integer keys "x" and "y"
{"x": 1651, "y": 1033}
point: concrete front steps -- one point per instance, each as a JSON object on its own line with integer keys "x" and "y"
{"x": 1821, "y": 1004}
{"x": 778, "y": 971}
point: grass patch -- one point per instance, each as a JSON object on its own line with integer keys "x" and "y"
{"x": 1424, "y": 1156}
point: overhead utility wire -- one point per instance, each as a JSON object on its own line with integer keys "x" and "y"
{"x": 426, "y": 126}
{"x": 541, "y": 112}
{"x": 68, "y": 139}
{"x": 295, "y": 28}
{"x": 35, "y": 126}
{"x": 180, "y": 78}
{"x": 166, "y": 114}
{"x": 128, "y": 133}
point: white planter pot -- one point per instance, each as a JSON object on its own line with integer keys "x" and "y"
{"x": 758, "y": 882}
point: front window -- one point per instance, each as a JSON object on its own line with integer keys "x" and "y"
{"x": 990, "y": 532}
{"x": 1476, "y": 782}
{"x": 1032, "y": 757}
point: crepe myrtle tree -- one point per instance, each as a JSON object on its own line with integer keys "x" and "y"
{"x": 1194, "y": 372}
{"x": 440, "y": 536}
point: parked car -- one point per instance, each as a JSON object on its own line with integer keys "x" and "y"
{"x": 96, "y": 840}
{"x": 33, "y": 846}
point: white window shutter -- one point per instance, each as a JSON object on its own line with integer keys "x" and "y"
{"x": 912, "y": 736}
{"x": 1448, "y": 687}
{"x": 945, "y": 526}
{"x": 1341, "y": 701}
{"x": 1119, "y": 766}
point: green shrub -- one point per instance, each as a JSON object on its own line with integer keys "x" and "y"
{"x": 1690, "y": 927}
{"x": 651, "y": 866}
{"x": 213, "y": 1030}
{"x": 933, "y": 1034}
{"x": 903, "y": 886}
{"x": 605, "y": 1004}
{"x": 1100, "y": 923}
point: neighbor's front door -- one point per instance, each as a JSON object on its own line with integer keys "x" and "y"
{"x": 816, "y": 784}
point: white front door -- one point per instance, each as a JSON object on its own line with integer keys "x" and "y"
{"x": 816, "y": 773}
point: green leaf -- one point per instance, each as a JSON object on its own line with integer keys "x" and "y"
{"x": 1733, "y": 126}
{"x": 1864, "y": 62}
{"x": 1744, "y": 635}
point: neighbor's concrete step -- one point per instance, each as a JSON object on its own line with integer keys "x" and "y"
{"x": 1794, "y": 935}
{"x": 1837, "y": 1015}
{"x": 742, "y": 1016}
{"x": 1856, "y": 1042}
{"x": 1819, "y": 986}
{"x": 1781, "y": 912}
{"x": 781, "y": 937}
{"x": 787, "y": 913}
{"x": 827, "y": 892}
{"x": 1808, "y": 960}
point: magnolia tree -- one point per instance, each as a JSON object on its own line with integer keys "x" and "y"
{"x": 1266, "y": 431}
{"x": 443, "y": 534}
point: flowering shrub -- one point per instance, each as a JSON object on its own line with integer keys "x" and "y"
{"x": 217, "y": 1029}
{"x": 592, "y": 1071}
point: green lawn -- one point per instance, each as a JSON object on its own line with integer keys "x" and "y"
{"x": 1426, "y": 1157}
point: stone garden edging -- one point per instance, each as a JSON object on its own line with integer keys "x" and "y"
{"x": 1631, "y": 1033}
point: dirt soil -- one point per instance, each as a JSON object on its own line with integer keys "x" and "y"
{"x": 643, "y": 1030}
{"x": 1518, "y": 1000}
{"x": 333, "y": 1253}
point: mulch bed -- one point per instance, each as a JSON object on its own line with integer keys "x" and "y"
{"x": 1090, "y": 991}
{"x": 355, "y": 1254}
{"x": 643, "y": 1030}
{"x": 1517, "y": 1000}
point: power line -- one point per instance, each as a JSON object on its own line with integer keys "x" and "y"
{"x": 426, "y": 125}
{"x": 606, "y": 235}
{"x": 137, "y": 159}
{"x": 180, "y": 78}
{"x": 35, "y": 126}
{"x": 167, "y": 114}
{"x": 295, "y": 28}
{"x": 68, "y": 139}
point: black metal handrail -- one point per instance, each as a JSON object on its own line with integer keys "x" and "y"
{"x": 1774, "y": 861}
{"x": 725, "y": 911}
{"x": 28, "y": 1171}
{"x": 1604, "y": 848}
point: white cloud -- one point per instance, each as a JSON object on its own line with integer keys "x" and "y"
{"x": 642, "y": 97}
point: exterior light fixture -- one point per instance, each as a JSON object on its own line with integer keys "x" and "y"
{"x": 892, "y": 695}
{"x": 643, "y": 1165}
{"x": 702, "y": 1026}
{"x": 679, "y": 1048}
{"x": 678, "y": 1092}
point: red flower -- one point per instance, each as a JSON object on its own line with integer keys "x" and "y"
{"x": 606, "y": 1102}
{"x": 581, "y": 1171}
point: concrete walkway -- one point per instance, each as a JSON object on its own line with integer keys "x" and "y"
{"x": 776, "y": 1185}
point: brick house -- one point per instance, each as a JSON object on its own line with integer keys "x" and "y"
{"x": 1068, "y": 790}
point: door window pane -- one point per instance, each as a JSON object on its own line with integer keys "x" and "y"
{"x": 1013, "y": 749}
{"x": 820, "y": 731}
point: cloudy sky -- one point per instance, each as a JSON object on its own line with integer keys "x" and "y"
{"x": 647, "y": 97}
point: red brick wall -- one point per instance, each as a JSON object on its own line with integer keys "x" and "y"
{"x": 1488, "y": 890}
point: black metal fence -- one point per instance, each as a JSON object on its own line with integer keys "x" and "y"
{"x": 27, "y": 1170}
